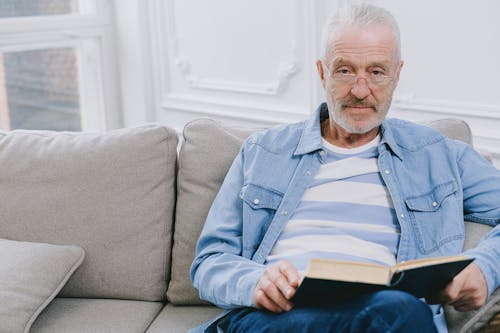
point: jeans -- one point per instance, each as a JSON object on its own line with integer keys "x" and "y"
{"x": 383, "y": 311}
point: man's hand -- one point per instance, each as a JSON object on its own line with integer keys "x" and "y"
{"x": 468, "y": 290}
{"x": 276, "y": 287}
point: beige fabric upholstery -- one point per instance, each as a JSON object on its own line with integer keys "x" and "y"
{"x": 473, "y": 320}
{"x": 453, "y": 128}
{"x": 78, "y": 315}
{"x": 110, "y": 193}
{"x": 31, "y": 275}
{"x": 206, "y": 154}
{"x": 175, "y": 319}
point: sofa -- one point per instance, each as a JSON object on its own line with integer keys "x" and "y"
{"x": 98, "y": 230}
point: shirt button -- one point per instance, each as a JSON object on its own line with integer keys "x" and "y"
{"x": 284, "y": 213}
{"x": 308, "y": 173}
{"x": 387, "y": 171}
{"x": 256, "y": 201}
{"x": 402, "y": 216}
{"x": 434, "y": 204}
{"x": 322, "y": 153}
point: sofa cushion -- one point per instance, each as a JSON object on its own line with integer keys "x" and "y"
{"x": 31, "y": 275}
{"x": 174, "y": 319}
{"x": 453, "y": 128}
{"x": 78, "y": 315}
{"x": 204, "y": 159}
{"x": 110, "y": 193}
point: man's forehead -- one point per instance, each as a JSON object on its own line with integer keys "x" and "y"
{"x": 361, "y": 59}
{"x": 373, "y": 41}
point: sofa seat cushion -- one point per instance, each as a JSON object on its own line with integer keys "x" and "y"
{"x": 78, "y": 315}
{"x": 110, "y": 193}
{"x": 179, "y": 318}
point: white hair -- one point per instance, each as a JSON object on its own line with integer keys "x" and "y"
{"x": 361, "y": 15}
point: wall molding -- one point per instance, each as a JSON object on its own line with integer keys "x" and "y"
{"x": 444, "y": 107}
{"x": 483, "y": 119}
{"x": 255, "y": 113}
{"x": 286, "y": 68}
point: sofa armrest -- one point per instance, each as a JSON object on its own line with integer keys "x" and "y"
{"x": 479, "y": 320}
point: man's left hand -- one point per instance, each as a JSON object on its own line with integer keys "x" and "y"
{"x": 468, "y": 290}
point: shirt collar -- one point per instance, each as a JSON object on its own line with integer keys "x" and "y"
{"x": 387, "y": 138}
{"x": 310, "y": 139}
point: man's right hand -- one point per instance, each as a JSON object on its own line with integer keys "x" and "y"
{"x": 276, "y": 287}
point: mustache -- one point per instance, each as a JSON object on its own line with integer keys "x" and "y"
{"x": 359, "y": 103}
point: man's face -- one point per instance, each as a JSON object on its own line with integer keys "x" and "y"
{"x": 359, "y": 75}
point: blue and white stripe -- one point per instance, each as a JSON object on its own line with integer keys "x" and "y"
{"x": 345, "y": 214}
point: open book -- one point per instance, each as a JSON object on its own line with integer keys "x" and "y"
{"x": 329, "y": 281}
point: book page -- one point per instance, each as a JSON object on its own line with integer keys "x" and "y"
{"x": 329, "y": 269}
{"x": 425, "y": 262}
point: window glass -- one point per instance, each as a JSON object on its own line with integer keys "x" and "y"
{"x": 20, "y": 8}
{"x": 39, "y": 90}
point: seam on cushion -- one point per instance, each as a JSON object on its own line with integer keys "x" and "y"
{"x": 148, "y": 326}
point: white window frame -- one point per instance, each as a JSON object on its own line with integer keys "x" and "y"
{"x": 92, "y": 35}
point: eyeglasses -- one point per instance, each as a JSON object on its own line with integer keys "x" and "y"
{"x": 346, "y": 78}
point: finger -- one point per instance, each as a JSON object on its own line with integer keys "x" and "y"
{"x": 451, "y": 293}
{"x": 467, "y": 303}
{"x": 290, "y": 272}
{"x": 464, "y": 307}
{"x": 275, "y": 274}
{"x": 271, "y": 290}
{"x": 262, "y": 301}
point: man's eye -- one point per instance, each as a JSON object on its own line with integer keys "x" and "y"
{"x": 343, "y": 71}
{"x": 377, "y": 73}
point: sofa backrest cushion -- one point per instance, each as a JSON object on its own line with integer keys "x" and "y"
{"x": 204, "y": 159}
{"x": 110, "y": 193}
{"x": 206, "y": 154}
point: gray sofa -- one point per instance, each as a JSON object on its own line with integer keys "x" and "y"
{"x": 97, "y": 231}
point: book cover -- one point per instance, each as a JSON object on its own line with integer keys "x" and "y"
{"x": 330, "y": 281}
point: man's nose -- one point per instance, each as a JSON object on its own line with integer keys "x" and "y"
{"x": 360, "y": 88}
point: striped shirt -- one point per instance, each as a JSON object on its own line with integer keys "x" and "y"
{"x": 345, "y": 214}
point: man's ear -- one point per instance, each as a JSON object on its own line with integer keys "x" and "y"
{"x": 321, "y": 73}
{"x": 398, "y": 70}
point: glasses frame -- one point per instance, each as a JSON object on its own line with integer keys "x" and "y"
{"x": 350, "y": 79}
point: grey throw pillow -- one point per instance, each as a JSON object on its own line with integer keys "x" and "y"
{"x": 31, "y": 275}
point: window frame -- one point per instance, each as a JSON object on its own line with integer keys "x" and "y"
{"x": 92, "y": 36}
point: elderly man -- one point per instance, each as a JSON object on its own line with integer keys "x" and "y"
{"x": 347, "y": 184}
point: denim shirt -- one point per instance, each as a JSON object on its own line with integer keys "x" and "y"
{"x": 435, "y": 183}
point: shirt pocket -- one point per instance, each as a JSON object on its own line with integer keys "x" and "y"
{"x": 437, "y": 219}
{"x": 259, "y": 209}
{"x": 259, "y": 197}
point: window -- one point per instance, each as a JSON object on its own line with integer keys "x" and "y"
{"x": 18, "y": 8}
{"x": 55, "y": 65}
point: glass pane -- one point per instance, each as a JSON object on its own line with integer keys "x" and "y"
{"x": 39, "y": 90}
{"x": 19, "y": 8}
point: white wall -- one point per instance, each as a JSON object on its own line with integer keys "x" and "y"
{"x": 252, "y": 61}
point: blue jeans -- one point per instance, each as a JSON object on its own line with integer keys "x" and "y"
{"x": 383, "y": 311}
